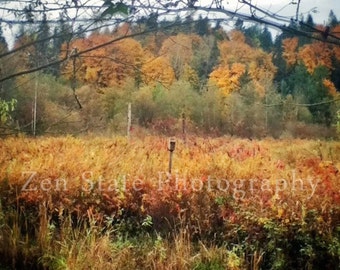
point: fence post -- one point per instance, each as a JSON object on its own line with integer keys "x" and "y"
{"x": 171, "y": 148}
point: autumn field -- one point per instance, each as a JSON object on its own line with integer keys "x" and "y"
{"x": 159, "y": 135}
{"x": 110, "y": 203}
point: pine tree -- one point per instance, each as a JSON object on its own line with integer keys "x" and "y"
{"x": 332, "y": 19}
{"x": 239, "y": 25}
{"x": 187, "y": 28}
{"x": 43, "y": 45}
{"x": 252, "y": 35}
{"x": 266, "y": 40}
{"x": 307, "y": 26}
{"x": 202, "y": 26}
{"x": 61, "y": 34}
{"x": 310, "y": 89}
{"x": 152, "y": 21}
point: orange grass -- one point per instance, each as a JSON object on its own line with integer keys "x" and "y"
{"x": 96, "y": 168}
{"x": 256, "y": 197}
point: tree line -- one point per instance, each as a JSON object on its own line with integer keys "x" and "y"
{"x": 240, "y": 82}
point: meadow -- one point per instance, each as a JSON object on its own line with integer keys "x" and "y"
{"x": 110, "y": 203}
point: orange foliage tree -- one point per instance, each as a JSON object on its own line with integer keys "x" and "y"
{"x": 158, "y": 70}
{"x": 228, "y": 79}
{"x": 236, "y": 59}
{"x": 290, "y": 46}
{"x": 314, "y": 55}
{"x": 106, "y": 66}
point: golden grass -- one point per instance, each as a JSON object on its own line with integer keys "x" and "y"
{"x": 218, "y": 186}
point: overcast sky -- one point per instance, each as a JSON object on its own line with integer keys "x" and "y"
{"x": 283, "y": 7}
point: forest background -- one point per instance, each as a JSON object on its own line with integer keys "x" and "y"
{"x": 186, "y": 75}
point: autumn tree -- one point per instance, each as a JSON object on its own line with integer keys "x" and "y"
{"x": 313, "y": 55}
{"x": 236, "y": 59}
{"x": 290, "y": 53}
{"x": 107, "y": 66}
{"x": 190, "y": 75}
{"x": 227, "y": 79}
{"x": 158, "y": 71}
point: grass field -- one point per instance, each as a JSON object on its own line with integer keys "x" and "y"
{"x": 110, "y": 203}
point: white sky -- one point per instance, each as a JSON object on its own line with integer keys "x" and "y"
{"x": 283, "y": 7}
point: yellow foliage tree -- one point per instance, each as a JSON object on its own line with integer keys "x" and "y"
{"x": 228, "y": 79}
{"x": 237, "y": 59}
{"x": 158, "y": 70}
{"x": 106, "y": 66}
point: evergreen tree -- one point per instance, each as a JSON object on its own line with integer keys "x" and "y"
{"x": 290, "y": 31}
{"x": 43, "y": 46}
{"x": 266, "y": 40}
{"x": 202, "y": 26}
{"x": 177, "y": 26}
{"x": 252, "y": 35}
{"x": 306, "y": 26}
{"x": 309, "y": 88}
{"x": 61, "y": 34}
{"x": 208, "y": 58}
{"x": 188, "y": 26}
{"x": 335, "y": 73}
{"x": 80, "y": 33}
{"x": 239, "y": 25}
{"x": 152, "y": 21}
{"x": 257, "y": 37}
{"x": 278, "y": 60}
{"x": 332, "y": 19}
